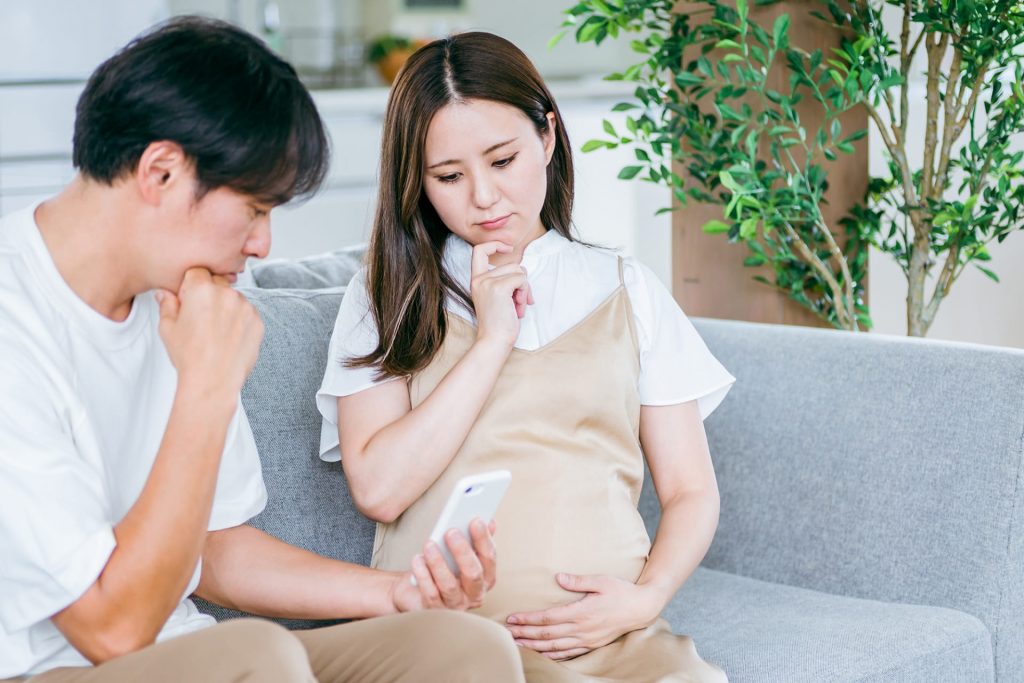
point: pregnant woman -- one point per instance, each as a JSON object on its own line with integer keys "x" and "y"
{"x": 482, "y": 335}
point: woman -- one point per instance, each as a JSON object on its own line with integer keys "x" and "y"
{"x": 520, "y": 348}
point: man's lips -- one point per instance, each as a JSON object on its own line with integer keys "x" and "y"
{"x": 495, "y": 223}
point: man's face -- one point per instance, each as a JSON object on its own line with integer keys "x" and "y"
{"x": 218, "y": 232}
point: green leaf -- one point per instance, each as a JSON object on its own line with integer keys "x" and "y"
{"x": 780, "y": 30}
{"x": 591, "y": 145}
{"x": 609, "y": 128}
{"x": 728, "y": 181}
{"x": 754, "y": 261}
{"x": 715, "y": 227}
{"x": 726, "y": 43}
{"x": 556, "y": 38}
{"x": 987, "y": 272}
{"x": 748, "y": 228}
{"x": 629, "y": 172}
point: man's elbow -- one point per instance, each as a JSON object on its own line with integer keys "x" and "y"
{"x": 104, "y": 644}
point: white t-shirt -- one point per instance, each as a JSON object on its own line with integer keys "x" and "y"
{"x": 568, "y": 280}
{"x": 84, "y": 402}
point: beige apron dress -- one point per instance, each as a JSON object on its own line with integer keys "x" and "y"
{"x": 564, "y": 419}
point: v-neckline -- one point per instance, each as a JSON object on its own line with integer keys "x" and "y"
{"x": 558, "y": 338}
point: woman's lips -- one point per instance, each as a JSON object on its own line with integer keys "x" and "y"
{"x": 495, "y": 223}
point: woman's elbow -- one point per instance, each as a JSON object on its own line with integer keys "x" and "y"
{"x": 373, "y": 500}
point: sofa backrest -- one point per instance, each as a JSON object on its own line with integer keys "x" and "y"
{"x": 870, "y": 466}
{"x": 308, "y": 500}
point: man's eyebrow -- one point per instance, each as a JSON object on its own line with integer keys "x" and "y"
{"x": 486, "y": 151}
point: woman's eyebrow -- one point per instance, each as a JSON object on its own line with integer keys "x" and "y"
{"x": 486, "y": 151}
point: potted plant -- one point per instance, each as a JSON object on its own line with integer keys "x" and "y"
{"x": 389, "y": 52}
{"x": 707, "y": 122}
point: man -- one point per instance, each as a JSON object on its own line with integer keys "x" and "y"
{"x": 127, "y": 466}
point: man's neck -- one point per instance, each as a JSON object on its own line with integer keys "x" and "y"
{"x": 85, "y": 229}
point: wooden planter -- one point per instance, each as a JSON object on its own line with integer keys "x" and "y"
{"x": 708, "y": 275}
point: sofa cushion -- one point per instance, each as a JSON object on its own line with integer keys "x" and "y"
{"x": 769, "y": 633}
{"x": 309, "y": 504}
{"x": 333, "y": 269}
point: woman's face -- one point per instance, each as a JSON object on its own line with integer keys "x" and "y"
{"x": 485, "y": 172}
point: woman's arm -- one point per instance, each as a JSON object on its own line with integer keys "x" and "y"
{"x": 677, "y": 454}
{"x": 393, "y": 453}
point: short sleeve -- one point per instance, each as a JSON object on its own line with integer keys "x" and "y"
{"x": 241, "y": 493}
{"x": 355, "y": 334}
{"x": 55, "y": 527}
{"x": 676, "y": 365}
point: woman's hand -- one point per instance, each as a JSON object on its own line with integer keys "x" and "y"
{"x": 500, "y": 295}
{"x": 610, "y": 608}
{"x": 436, "y": 587}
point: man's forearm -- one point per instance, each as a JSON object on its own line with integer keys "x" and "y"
{"x": 159, "y": 540}
{"x": 247, "y": 569}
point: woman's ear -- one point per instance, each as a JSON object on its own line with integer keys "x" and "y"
{"x": 162, "y": 166}
{"x": 550, "y": 137}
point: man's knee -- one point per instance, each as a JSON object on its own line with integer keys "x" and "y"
{"x": 468, "y": 648}
{"x": 272, "y": 652}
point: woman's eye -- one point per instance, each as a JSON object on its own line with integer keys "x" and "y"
{"x": 450, "y": 178}
{"x": 502, "y": 163}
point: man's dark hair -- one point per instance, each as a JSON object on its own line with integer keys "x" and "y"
{"x": 238, "y": 111}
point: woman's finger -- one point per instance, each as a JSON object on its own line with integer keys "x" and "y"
{"x": 556, "y": 645}
{"x": 482, "y": 255}
{"x": 552, "y": 632}
{"x": 566, "y": 654}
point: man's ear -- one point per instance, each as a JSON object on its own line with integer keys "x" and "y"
{"x": 161, "y": 167}
{"x": 550, "y": 137}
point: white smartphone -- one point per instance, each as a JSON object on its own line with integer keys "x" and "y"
{"x": 474, "y": 497}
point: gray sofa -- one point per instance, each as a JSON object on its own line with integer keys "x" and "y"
{"x": 872, "y": 508}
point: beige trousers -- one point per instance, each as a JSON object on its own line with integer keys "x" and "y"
{"x": 406, "y": 648}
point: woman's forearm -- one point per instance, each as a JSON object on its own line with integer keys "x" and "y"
{"x": 402, "y": 459}
{"x": 685, "y": 532}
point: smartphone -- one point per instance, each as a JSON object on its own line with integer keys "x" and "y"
{"x": 474, "y": 497}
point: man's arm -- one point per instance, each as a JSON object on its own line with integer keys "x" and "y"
{"x": 247, "y": 569}
{"x": 212, "y": 336}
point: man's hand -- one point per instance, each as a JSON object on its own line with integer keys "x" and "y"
{"x": 436, "y": 585}
{"x": 211, "y": 332}
{"x": 610, "y": 608}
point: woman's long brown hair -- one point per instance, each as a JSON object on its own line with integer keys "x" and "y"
{"x": 406, "y": 280}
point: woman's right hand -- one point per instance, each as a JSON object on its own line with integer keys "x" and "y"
{"x": 500, "y": 295}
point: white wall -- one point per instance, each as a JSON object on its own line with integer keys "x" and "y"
{"x": 978, "y": 309}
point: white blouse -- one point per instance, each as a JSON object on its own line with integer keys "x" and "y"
{"x": 569, "y": 280}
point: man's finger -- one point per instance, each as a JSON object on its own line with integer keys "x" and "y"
{"x": 425, "y": 583}
{"x": 471, "y": 572}
{"x": 169, "y": 304}
{"x": 447, "y": 584}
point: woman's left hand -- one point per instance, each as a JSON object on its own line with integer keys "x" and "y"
{"x": 609, "y": 608}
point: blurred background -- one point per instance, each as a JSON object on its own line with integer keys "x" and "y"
{"x": 49, "y": 47}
